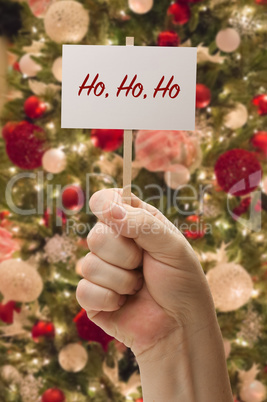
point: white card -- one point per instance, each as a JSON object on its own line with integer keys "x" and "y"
{"x": 128, "y": 87}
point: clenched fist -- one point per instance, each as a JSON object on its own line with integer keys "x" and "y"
{"x": 142, "y": 278}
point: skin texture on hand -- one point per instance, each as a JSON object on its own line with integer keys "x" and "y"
{"x": 174, "y": 292}
{"x": 164, "y": 312}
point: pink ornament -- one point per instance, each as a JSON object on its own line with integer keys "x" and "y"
{"x": 176, "y": 176}
{"x": 159, "y": 150}
{"x": 7, "y": 245}
{"x": 39, "y": 7}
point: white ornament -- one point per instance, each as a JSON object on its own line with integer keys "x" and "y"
{"x": 19, "y": 281}
{"x": 40, "y": 88}
{"x": 30, "y": 388}
{"x": 237, "y": 117}
{"x": 227, "y": 347}
{"x": 178, "y": 176}
{"x": 54, "y": 161}
{"x": 10, "y": 373}
{"x": 59, "y": 249}
{"x": 66, "y": 21}
{"x": 28, "y": 66}
{"x": 203, "y": 55}
{"x": 251, "y": 390}
{"x": 57, "y": 69}
{"x": 78, "y": 266}
{"x": 228, "y": 40}
{"x": 73, "y": 357}
{"x": 230, "y": 286}
{"x": 140, "y": 6}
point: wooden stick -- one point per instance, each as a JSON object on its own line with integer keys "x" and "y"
{"x": 127, "y": 153}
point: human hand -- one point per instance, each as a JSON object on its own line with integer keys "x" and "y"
{"x": 141, "y": 307}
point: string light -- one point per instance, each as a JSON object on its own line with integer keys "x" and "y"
{"x": 202, "y": 175}
{"x": 34, "y": 30}
{"x": 255, "y": 293}
{"x": 12, "y": 170}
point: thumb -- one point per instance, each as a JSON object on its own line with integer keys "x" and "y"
{"x": 145, "y": 225}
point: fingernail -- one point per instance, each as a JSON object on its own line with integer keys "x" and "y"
{"x": 139, "y": 284}
{"x": 122, "y": 300}
{"x": 117, "y": 211}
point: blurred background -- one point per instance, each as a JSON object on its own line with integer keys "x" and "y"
{"x": 210, "y": 182}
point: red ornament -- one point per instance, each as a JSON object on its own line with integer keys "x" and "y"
{"x": 90, "y": 331}
{"x": 73, "y": 197}
{"x": 43, "y": 328}
{"x": 203, "y": 96}
{"x": 242, "y": 207}
{"x": 108, "y": 140}
{"x": 261, "y": 102}
{"x": 53, "y": 395}
{"x": 7, "y": 311}
{"x": 196, "y": 228}
{"x": 16, "y": 66}
{"x": 259, "y": 140}
{"x": 168, "y": 38}
{"x": 26, "y": 145}
{"x": 261, "y": 2}
{"x": 139, "y": 400}
{"x": 8, "y": 129}
{"x": 180, "y": 13}
{"x": 238, "y": 172}
{"x": 34, "y": 107}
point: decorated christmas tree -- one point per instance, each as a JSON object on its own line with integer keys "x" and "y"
{"x": 209, "y": 182}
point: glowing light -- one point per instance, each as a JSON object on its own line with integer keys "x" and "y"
{"x": 50, "y": 125}
{"x": 260, "y": 237}
{"x": 221, "y": 138}
{"x": 202, "y": 175}
{"x": 35, "y": 361}
{"x": 12, "y": 170}
{"x": 59, "y": 330}
{"x": 56, "y": 276}
{"x": 34, "y": 29}
{"x": 255, "y": 293}
{"x": 15, "y": 229}
{"x": 66, "y": 293}
{"x": 245, "y": 78}
{"x": 37, "y": 187}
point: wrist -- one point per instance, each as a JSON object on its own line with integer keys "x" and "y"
{"x": 186, "y": 366}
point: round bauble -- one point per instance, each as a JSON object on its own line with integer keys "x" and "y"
{"x": 177, "y": 176}
{"x": 28, "y": 66}
{"x": 10, "y": 373}
{"x": 34, "y": 107}
{"x": 140, "y": 6}
{"x": 54, "y": 161}
{"x": 73, "y": 357}
{"x": 107, "y": 140}
{"x": 228, "y": 40}
{"x": 259, "y": 141}
{"x": 19, "y": 281}
{"x": 53, "y": 395}
{"x": 230, "y": 286}
{"x": 66, "y": 21}
{"x": 8, "y": 129}
{"x": 261, "y": 102}
{"x": 7, "y": 244}
{"x": 39, "y": 7}
{"x": 73, "y": 197}
{"x": 237, "y": 117}
{"x": 168, "y": 38}
{"x": 238, "y": 172}
{"x": 43, "y": 329}
{"x": 203, "y": 96}
{"x": 26, "y": 145}
{"x": 255, "y": 391}
{"x": 179, "y": 12}
{"x": 57, "y": 69}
